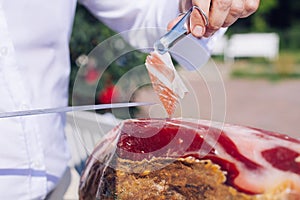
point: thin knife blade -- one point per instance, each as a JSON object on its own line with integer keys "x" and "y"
{"x": 71, "y": 108}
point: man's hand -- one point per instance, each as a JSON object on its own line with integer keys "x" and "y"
{"x": 220, "y": 13}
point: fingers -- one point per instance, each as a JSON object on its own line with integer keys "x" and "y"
{"x": 197, "y": 20}
{"x": 240, "y": 9}
{"x": 223, "y": 13}
{"x": 236, "y": 11}
{"x": 250, "y": 7}
{"x": 219, "y": 11}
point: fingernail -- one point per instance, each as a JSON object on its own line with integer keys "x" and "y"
{"x": 198, "y": 31}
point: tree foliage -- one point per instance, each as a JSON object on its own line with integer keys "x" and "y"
{"x": 259, "y": 21}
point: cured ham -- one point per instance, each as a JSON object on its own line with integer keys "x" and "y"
{"x": 192, "y": 159}
{"x": 165, "y": 80}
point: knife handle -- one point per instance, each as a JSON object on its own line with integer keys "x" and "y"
{"x": 177, "y": 32}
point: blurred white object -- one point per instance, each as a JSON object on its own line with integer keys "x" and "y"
{"x": 264, "y": 45}
{"x": 219, "y": 46}
{"x": 72, "y": 191}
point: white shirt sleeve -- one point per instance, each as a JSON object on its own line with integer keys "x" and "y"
{"x": 141, "y": 22}
{"x": 133, "y": 14}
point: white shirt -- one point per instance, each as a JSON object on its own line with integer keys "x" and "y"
{"x": 34, "y": 73}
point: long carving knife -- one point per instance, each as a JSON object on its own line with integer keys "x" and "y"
{"x": 71, "y": 109}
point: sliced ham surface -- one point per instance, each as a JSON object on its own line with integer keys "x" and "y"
{"x": 254, "y": 161}
{"x": 165, "y": 80}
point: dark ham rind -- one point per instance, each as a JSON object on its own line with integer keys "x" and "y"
{"x": 254, "y": 161}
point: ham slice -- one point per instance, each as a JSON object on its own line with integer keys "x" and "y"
{"x": 254, "y": 161}
{"x": 165, "y": 80}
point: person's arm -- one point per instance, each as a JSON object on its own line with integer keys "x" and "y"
{"x": 135, "y": 14}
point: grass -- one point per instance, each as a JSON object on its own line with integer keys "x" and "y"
{"x": 286, "y": 66}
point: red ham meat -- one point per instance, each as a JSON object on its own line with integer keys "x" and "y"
{"x": 256, "y": 163}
